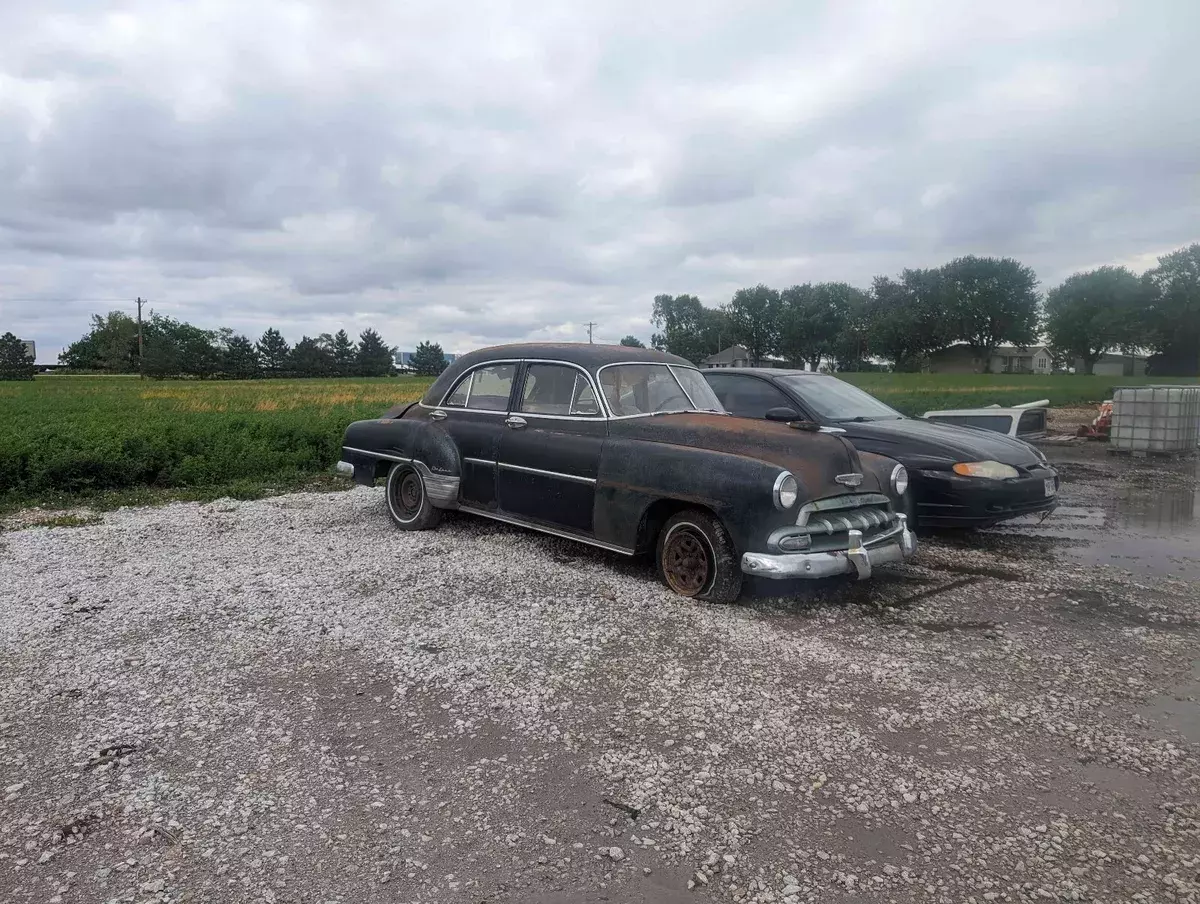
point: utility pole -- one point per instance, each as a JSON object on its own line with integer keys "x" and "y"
{"x": 141, "y": 352}
{"x": 590, "y": 324}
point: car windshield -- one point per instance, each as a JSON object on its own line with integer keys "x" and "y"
{"x": 632, "y": 389}
{"x": 835, "y": 400}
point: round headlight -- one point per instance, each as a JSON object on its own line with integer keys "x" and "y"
{"x": 899, "y": 480}
{"x": 786, "y": 491}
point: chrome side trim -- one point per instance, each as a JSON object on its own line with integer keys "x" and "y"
{"x": 575, "y": 477}
{"x": 521, "y": 522}
{"x": 491, "y": 463}
{"x": 382, "y": 455}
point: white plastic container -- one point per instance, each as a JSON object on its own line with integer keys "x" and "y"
{"x": 1156, "y": 418}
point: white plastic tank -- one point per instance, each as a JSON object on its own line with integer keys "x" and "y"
{"x": 1163, "y": 418}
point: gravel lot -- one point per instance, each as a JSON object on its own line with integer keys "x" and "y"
{"x": 288, "y": 700}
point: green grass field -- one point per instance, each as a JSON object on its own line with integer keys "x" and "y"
{"x": 67, "y": 439}
{"x": 917, "y": 393}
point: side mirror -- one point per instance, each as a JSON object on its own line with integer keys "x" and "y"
{"x": 783, "y": 414}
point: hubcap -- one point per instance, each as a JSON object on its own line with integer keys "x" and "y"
{"x": 408, "y": 495}
{"x": 685, "y": 562}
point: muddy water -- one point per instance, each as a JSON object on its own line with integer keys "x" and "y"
{"x": 1138, "y": 515}
{"x": 1180, "y": 709}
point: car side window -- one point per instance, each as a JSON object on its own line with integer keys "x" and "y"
{"x": 555, "y": 389}
{"x": 485, "y": 388}
{"x": 747, "y": 396}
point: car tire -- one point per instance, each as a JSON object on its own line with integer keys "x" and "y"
{"x": 407, "y": 502}
{"x": 696, "y": 557}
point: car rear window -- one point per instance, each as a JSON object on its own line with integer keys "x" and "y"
{"x": 485, "y": 388}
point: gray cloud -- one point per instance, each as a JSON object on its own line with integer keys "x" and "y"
{"x": 473, "y": 176}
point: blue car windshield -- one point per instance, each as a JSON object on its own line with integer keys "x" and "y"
{"x": 835, "y": 400}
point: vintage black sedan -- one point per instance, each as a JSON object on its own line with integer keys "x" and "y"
{"x": 629, "y": 450}
{"x": 958, "y": 476}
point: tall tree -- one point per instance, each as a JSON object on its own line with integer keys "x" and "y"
{"x": 853, "y": 348}
{"x": 375, "y": 358}
{"x": 632, "y": 341}
{"x": 309, "y": 359}
{"x": 906, "y": 318}
{"x": 240, "y": 360}
{"x": 15, "y": 361}
{"x": 110, "y": 344}
{"x": 812, "y": 318}
{"x": 344, "y": 353}
{"x": 754, "y": 318}
{"x": 162, "y": 356}
{"x": 273, "y": 352}
{"x": 989, "y": 301}
{"x": 428, "y": 360}
{"x": 1092, "y": 313}
{"x": 679, "y": 321}
{"x": 1172, "y": 315}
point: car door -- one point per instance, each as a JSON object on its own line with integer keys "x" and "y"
{"x": 743, "y": 395}
{"x": 473, "y": 413}
{"x": 550, "y": 450}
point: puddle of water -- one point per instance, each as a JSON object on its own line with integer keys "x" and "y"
{"x": 1179, "y": 710}
{"x": 1157, "y": 511}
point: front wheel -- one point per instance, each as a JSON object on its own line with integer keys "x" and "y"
{"x": 407, "y": 501}
{"x": 696, "y": 558}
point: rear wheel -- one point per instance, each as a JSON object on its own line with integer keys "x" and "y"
{"x": 696, "y": 557}
{"x": 407, "y": 501}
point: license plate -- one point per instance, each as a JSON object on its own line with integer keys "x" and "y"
{"x": 1051, "y": 489}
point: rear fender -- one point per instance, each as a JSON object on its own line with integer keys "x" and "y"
{"x": 374, "y": 446}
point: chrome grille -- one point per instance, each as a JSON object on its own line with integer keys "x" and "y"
{"x": 828, "y": 521}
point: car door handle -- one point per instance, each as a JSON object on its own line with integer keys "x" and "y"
{"x": 517, "y": 423}
{"x": 437, "y": 415}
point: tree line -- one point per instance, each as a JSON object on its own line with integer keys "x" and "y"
{"x": 980, "y": 302}
{"x": 173, "y": 348}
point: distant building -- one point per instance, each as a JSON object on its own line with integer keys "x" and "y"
{"x": 1115, "y": 366}
{"x": 734, "y": 356}
{"x": 30, "y": 348}
{"x": 1006, "y": 359}
{"x": 404, "y": 359}
{"x": 739, "y": 356}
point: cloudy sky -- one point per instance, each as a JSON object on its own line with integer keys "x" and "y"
{"x": 478, "y": 172}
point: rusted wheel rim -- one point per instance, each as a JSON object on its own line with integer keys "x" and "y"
{"x": 409, "y": 495}
{"x": 686, "y": 565}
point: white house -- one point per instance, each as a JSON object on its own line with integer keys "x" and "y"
{"x": 1006, "y": 359}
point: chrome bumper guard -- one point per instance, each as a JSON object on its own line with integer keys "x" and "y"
{"x": 858, "y": 558}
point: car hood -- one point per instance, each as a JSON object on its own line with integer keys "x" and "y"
{"x": 816, "y": 459}
{"x": 915, "y": 438}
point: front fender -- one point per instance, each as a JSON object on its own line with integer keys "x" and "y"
{"x": 635, "y": 475}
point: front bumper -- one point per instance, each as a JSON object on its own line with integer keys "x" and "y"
{"x": 945, "y": 499}
{"x": 858, "y": 559}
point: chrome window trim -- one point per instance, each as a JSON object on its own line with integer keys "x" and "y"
{"x": 604, "y": 413}
{"x": 471, "y": 373}
{"x": 559, "y": 474}
{"x": 521, "y": 522}
{"x": 668, "y": 365}
{"x": 678, "y": 382}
